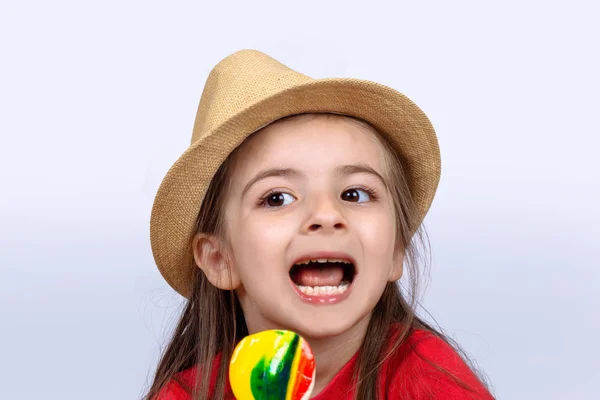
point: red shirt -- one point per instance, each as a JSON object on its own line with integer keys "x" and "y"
{"x": 405, "y": 376}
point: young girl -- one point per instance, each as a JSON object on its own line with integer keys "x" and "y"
{"x": 298, "y": 206}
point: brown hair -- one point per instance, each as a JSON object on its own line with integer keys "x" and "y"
{"x": 213, "y": 323}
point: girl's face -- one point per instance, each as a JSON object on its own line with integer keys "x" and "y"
{"x": 301, "y": 189}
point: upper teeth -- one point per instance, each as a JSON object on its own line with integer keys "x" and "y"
{"x": 324, "y": 260}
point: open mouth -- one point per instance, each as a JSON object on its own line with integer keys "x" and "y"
{"x": 325, "y": 277}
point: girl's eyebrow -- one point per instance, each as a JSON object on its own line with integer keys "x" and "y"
{"x": 340, "y": 170}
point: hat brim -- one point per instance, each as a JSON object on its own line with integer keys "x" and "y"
{"x": 179, "y": 197}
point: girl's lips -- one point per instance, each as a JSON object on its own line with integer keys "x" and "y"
{"x": 322, "y": 299}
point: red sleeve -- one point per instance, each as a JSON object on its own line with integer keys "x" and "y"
{"x": 180, "y": 386}
{"x": 413, "y": 377}
{"x": 172, "y": 391}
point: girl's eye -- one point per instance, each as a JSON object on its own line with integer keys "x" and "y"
{"x": 354, "y": 194}
{"x": 277, "y": 199}
{"x": 274, "y": 199}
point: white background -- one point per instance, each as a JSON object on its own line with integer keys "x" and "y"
{"x": 98, "y": 99}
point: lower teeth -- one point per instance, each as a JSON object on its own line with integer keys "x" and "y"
{"x": 324, "y": 290}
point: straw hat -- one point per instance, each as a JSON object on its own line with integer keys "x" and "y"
{"x": 245, "y": 92}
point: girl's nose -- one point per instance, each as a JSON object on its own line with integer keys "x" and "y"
{"x": 324, "y": 215}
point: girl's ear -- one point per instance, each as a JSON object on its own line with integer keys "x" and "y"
{"x": 211, "y": 259}
{"x": 397, "y": 264}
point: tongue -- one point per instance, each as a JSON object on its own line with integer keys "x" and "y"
{"x": 319, "y": 274}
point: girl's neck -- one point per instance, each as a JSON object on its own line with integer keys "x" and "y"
{"x": 331, "y": 354}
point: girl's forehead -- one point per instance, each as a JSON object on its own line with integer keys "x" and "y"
{"x": 318, "y": 149}
{"x": 315, "y": 140}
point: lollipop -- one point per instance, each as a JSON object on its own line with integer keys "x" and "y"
{"x": 272, "y": 365}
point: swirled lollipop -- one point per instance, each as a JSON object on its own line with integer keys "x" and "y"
{"x": 273, "y": 365}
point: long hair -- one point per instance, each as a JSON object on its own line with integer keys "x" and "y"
{"x": 212, "y": 322}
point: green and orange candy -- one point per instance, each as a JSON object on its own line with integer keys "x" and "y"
{"x": 272, "y": 365}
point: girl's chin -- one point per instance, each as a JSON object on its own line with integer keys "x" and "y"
{"x": 310, "y": 321}
{"x": 322, "y": 328}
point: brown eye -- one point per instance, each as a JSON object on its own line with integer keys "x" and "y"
{"x": 354, "y": 195}
{"x": 275, "y": 199}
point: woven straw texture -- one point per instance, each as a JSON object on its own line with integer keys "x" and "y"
{"x": 248, "y": 90}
